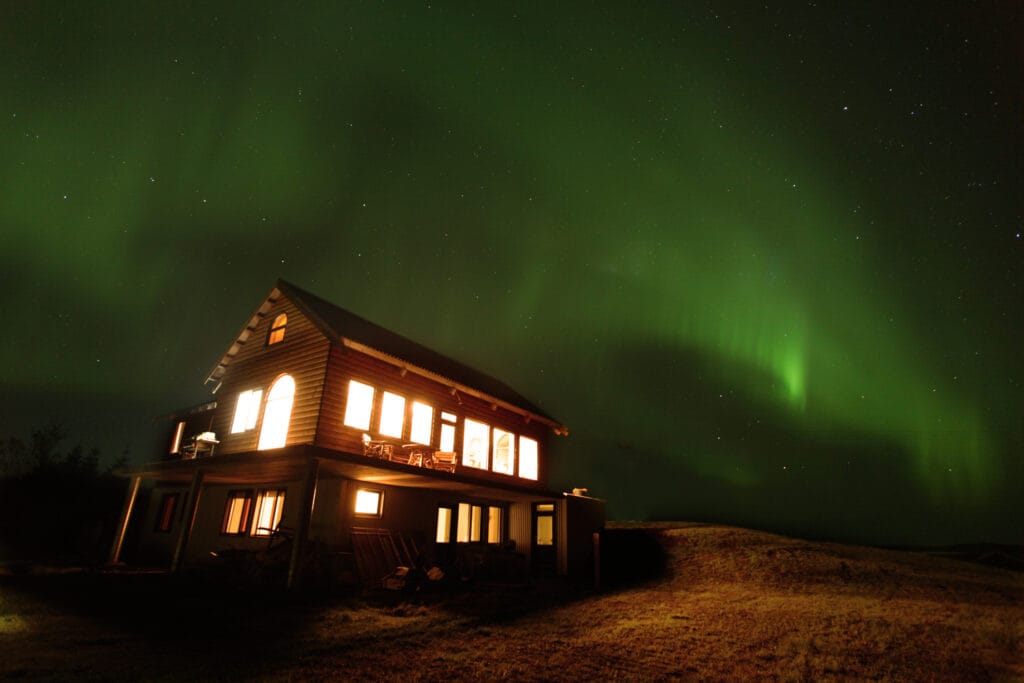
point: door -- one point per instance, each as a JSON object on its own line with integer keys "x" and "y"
{"x": 542, "y": 555}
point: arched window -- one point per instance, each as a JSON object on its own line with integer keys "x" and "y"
{"x": 277, "y": 329}
{"x": 277, "y": 414}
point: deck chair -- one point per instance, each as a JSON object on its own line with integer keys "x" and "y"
{"x": 444, "y": 460}
{"x": 376, "y": 449}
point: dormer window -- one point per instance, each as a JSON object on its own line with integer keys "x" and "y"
{"x": 277, "y": 329}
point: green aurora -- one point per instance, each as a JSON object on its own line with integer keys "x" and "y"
{"x": 713, "y": 238}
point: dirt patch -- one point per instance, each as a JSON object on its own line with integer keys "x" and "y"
{"x": 717, "y": 603}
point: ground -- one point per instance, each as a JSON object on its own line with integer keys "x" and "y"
{"x": 691, "y": 602}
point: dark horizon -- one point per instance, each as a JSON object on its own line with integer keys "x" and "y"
{"x": 763, "y": 262}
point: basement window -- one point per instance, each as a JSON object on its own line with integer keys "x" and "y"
{"x": 368, "y": 502}
{"x": 276, "y": 333}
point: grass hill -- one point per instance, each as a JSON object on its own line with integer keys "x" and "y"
{"x": 691, "y": 602}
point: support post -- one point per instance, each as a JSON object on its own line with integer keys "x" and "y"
{"x": 305, "y": 515}
{"x": 597, "y": 560}
{"x": 126, "y": 513}
{"x": 190, "y": 519}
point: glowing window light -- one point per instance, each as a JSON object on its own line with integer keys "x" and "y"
{"x": 493, "y": 524}
{"x": 447, "y": 432}
{"x": 269, "y": 506}
{"x": 392, "y": 414}
{"x": 358, "y": 405}
{"x": 527, "y": 458}
{"x": 444, "y": 525}
{"x": 277, "y": 329}
{"x": 462, "y": 524}
{"x": 504, "y": 452}
{"x": 475, "y": 518}
{"x": 179, "y": 432}
{"x": 236, "y": 512}
{"x": 545, "y": 530}
{"x": 277, "y": 414}
{"x": 247, "y": 410}
{"x": 368, "y": 502}
{"x": 422, "y": 422}
{"x": 475, "y": 442}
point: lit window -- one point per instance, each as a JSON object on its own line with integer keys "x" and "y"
{"x": 179, "y": 432}
{"x": 493, "y": 524}
{"x": 447, "y": 432}
{"x": 392, "y": 415}
{"x": 504, "y": 452}
{"x": 444, "y": 525}
{"x": 277, "y": 329}
{"x": 359, "y": 405}
{"x": 462, "y": 524}
{"x": 527, "y": 458}
{"x": 368, "y": 502}
{"x": 165, "y": 513}
{"x": 475, "y": 518}
{"x": 545, "y": 524}
{"x": 237, "y": 512}
{"x": 269, "y": 506}
{"x": 475, "y": 444}
{"x": 277, "y": 414}
{"x": 247, "y": 410}
{"x": 422, "y": 423}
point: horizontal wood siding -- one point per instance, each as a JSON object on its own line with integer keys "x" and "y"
{"x": 346, "y": 364}
{"x": 303, "y": 354}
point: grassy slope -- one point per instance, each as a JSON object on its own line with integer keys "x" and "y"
{"x": 732, "y": 604}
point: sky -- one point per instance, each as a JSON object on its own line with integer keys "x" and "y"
{"x": 763, "y": 260}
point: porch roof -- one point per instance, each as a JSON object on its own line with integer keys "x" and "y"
{"x": 289, "y": 464}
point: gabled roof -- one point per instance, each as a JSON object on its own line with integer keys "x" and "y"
{"x": 348, "y": 329}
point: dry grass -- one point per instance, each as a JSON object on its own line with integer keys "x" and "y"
{"x": 731, "y": 604}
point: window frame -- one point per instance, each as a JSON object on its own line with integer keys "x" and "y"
{"x": 369, "y": 409}
{"x": 262, "y": 495}
{"x": 164, "y": 522}
{"x": 252, "y": 402}
{"x": 446, "y": 528}
{"x": 385, "y": 413}
{"x": 535, "y": 459}
{"x": 277, "y": 403}
{"x": 380, "y": 503}
{"x": 245, "y": 518}
{"x": 272, "y": 334}
{"x": 485, "y": 451}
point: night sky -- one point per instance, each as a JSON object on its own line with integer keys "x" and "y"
{"x": 764, "y": 261}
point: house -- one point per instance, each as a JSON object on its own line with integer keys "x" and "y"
{"x": 348, "y": 436}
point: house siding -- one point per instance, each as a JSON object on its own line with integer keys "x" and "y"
{"x": 303, "y": 355}
{"x": 346, "y": 364}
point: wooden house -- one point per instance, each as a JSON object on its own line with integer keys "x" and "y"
{"x": 340, "y": 433}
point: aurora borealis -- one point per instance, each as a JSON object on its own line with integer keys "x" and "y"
{"x": 764, "y": 262}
